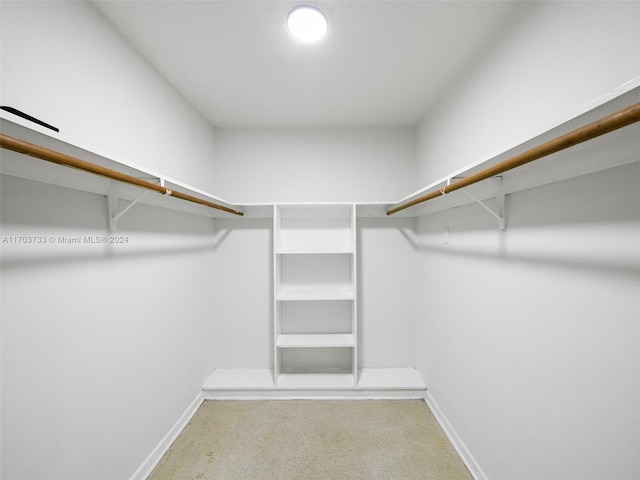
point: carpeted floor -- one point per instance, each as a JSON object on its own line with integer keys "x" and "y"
{"x": 312, "y": 440}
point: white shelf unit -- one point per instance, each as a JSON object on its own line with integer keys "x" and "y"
{"x": 315, "y": 295}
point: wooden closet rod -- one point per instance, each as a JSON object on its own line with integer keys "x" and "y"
{"x": 607, "y": 124}
{"x": 26, "y": 148}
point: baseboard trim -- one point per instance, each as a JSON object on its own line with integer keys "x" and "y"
{"x": 144, "y": 470}
{"x": 454, "y": 438}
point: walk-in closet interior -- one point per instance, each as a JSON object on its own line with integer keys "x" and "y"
{"x": 437, "y": 200}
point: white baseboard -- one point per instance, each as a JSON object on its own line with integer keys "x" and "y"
{"x": 155, "y": 456}
{"x": 455, "y": 440}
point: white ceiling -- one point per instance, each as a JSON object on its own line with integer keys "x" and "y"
{"x": 382, "y": 63}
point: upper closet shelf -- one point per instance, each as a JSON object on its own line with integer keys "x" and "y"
{"x": 611, "y": 150}
{"x": 608, "y": 149}
{"x": 165, "y": 192}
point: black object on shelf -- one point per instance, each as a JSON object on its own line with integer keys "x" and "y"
{"x": 17, "y": 112}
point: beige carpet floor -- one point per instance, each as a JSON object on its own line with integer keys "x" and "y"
{"x": 312, "y": 440}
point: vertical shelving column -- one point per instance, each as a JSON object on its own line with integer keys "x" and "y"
{"x": 315, "y": 290}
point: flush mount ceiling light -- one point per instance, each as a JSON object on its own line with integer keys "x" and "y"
{"x": 307, "y": 23}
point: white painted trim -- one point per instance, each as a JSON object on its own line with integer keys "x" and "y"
{"x": 319, "y": 394}
{"x": 145, "y": 469}
{"x": 455, "y": 439}
{"x": 258, "y": 384}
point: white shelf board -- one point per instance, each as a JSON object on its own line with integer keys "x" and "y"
{"x": 315, "y": 251}
{"x": 316, "y": 340}
{"x": 390, "y": 379}
{"x": 259, "y": 383}
{"x": 614, "y": 149}
{"x": 31, "y": 168}
{"x": 609, "y": 151}
{"x": 239, "y": 378}
{"x": 287, "y": 296}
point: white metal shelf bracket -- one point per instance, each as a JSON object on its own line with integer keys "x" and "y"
{"x": 112, "y": 207}
{"x": 500, "y": 215}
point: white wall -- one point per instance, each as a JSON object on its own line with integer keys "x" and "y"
{"x": 63, "y": 63}
{"x": 388, "y": 292}
{"x": 243, "y": 285}
{"x": 315, "y": 165}
{"x": 551, "y": 60}
{"x": 528, "y": 337}
{"x": 103, "y": 346}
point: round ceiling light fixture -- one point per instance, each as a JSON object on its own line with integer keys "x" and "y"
{"x": 307, "y": 23}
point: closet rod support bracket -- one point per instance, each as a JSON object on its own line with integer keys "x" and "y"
{"x": 112, "y": 206}
{"x": 500, "y": 215}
